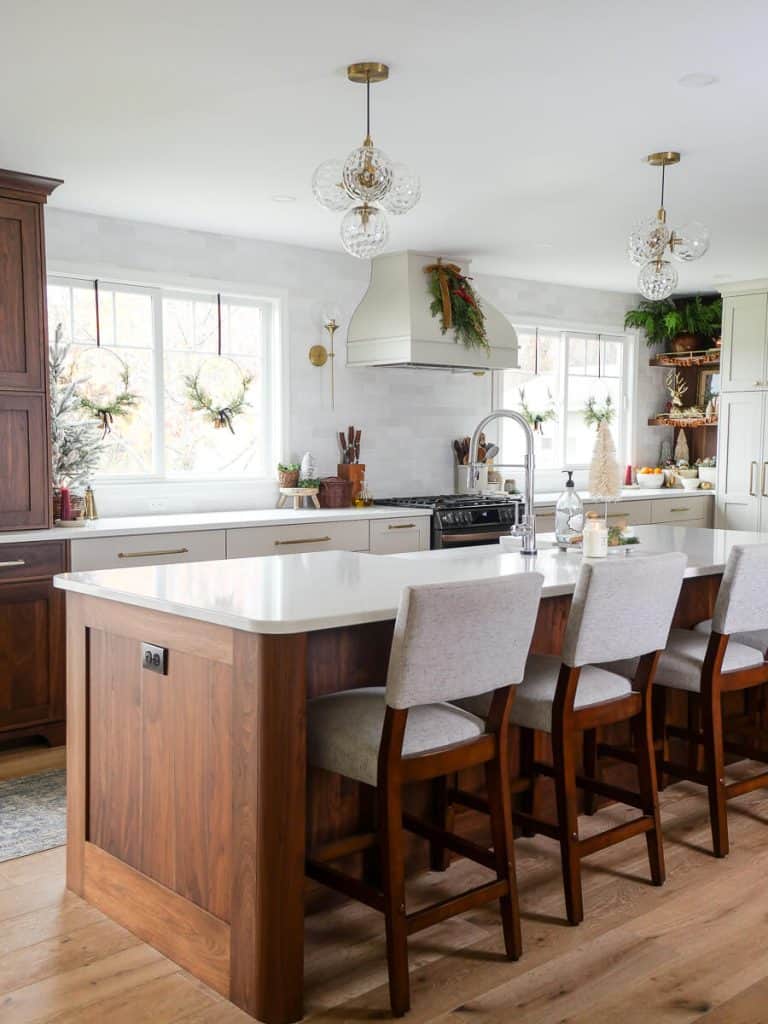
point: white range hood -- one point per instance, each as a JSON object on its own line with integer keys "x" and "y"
{"x": 393, "y": 326}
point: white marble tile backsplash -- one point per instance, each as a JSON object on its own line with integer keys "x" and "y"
{"x": 408, "y": 417}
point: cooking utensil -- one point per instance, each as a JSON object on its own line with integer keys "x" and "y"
{"x": 491, "y": 451}
{"x": 343, "y": 444}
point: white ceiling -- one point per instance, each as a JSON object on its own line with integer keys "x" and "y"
{"x": 527, "y": 121}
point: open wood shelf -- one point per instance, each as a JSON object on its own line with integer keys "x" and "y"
{"x": 708, "y": 357}
{"x": 677, "y": 421}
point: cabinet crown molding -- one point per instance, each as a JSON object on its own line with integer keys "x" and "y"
{"x": 38, "y": 187}
{"x": 759, "y": 284}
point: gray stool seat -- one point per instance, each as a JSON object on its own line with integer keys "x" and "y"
{"x": 681, "y": 663}
{"x": 536, "y": 694}
{"x": 754, "y": 638}
{"x": 344, "y": 731}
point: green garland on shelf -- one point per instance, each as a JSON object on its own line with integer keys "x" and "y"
{"x": 201, "y": 401}
{"x": 455, "y": 302}
{"x": 120, "y": 405}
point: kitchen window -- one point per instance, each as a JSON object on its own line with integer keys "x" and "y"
{"x": 560, "y": 371}
{"x": 164, "y": 336}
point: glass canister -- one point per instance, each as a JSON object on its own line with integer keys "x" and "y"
{"x": 595, "y": 544}
{"x": 569, "y": 515}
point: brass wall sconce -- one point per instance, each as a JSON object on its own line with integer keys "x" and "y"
{"x": 319, "y": 354}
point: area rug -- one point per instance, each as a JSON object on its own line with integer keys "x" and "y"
{"x": 33, "y": 813}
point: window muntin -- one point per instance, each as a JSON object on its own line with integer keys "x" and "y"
{"x": 562, "y": 369}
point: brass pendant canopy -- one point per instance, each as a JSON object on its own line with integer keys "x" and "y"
{"x": 663, "y": 159}
{"x": 367, "y": 71}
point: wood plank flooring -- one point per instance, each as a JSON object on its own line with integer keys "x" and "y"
{"x": 695, "y": 950}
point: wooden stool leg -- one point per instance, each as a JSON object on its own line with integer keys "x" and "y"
{"x": 712, "y": 721}
{"x": 642, "y": 730}
{"x": 590, "y": 767}
{"x": 563, "y": 750}
{"x": 660, "y": 733}
{"x": 500, "y": 807}
{"x": 527, "y": 771}
{"x": 443, "y": 816}
{"x": 694, "y": 728}
{"x": 392, "y": 845}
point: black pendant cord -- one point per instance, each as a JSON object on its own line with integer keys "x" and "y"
{"x": 218, "y": 303}
{"x": 98, "y": 318}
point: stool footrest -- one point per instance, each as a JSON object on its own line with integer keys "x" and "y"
{"x": 615, "y": 835}
{"x": 345, "y": 884}
{"x": 457, "y": 844}
{"x": 528, "y": 822}
{"x": 733, "y": 789}
{"x": 617, "y": 793}
{"x": 476, "y": 897}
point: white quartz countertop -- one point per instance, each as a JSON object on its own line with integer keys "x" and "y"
{"x": 127, "y": 525}
{"x": 627, "y": 494}
{"x": 297, "y": 593}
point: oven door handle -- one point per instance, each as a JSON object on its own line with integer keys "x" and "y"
{"x": 458, "y": 538}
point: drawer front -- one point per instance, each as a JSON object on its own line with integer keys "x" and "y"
{"x": 252, "y": 541}
{"x": 147, "y": 549}
{"x": 545, "y": 522}
{"x": 636, "y": 513}
{"x": 674, "y": 510}
{"x": 31, "y": 561}
{"x": 393, "y": 536}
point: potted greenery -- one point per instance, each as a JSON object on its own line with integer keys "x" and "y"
{"x": 685, "y": 324}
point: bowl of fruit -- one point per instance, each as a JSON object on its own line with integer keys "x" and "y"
{"x": 651, "y": 477}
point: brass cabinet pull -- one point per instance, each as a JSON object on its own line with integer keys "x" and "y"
{"x": 302, "y": 540}
{"x": 152, "y": 554}
{"x": 762, "y": 482}
{"x": 16, "y": 561}
{"x": 618, "y": 515}
{"x": 402, "y": 526}
{"x": 686, "y": 509}
{"x": 752, "y": 468}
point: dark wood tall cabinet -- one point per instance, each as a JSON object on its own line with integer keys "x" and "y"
{"x": 31, "y": 611}
{"x": 25, "y": 473}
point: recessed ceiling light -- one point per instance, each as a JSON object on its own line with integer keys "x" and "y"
{"x": 283, "y": 199}
{"x": 697, "y": 80}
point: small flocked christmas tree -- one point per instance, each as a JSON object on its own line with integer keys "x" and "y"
{"x": 604, "y": 471}
{"x": 75, "y": 441}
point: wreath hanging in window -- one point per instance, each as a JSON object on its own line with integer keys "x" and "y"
{"x": 455, "y": 302}
{"x": 105, "y": 380}
{"x": 219, "y": 387}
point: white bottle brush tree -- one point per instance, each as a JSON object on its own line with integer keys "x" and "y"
{"x": 76, "y": 442}
{"x": 604, "y": 470}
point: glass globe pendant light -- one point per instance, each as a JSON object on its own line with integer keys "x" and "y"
{"x": 365, "y": 178}
{"x": 649, "y": 241}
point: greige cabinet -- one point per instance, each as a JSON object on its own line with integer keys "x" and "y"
{"x": 744, "y": 357}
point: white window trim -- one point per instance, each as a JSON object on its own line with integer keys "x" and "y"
{"x": 278, "y": 367}
{"x": 551, "y": 478}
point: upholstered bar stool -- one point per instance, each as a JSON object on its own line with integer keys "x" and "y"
{"x": 450, "y": 641}
{"x": 619, "y": 605}
{"x": 709, "y": 662}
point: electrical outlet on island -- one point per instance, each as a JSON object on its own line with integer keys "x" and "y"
{"x": 158, "y": 504}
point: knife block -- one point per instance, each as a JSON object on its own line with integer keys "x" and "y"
{"x": 354, "y": 472}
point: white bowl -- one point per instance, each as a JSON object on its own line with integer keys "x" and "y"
{"x": 650, "y": 480}
{"x": 690, "y": 483}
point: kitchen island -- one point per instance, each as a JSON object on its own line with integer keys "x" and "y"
{"x": 188, "y": 815}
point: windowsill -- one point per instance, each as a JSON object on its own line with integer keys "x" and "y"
{"x": 132, "y": 497}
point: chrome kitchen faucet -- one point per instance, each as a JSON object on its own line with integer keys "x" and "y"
{"x": 526, "y": 530}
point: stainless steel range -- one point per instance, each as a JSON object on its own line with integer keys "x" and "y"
{"x": 462, "y": 520}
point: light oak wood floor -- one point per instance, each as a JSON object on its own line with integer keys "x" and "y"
{"x": 694, "y": 950}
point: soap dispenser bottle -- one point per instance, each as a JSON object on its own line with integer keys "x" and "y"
{"x": 569, "y": 515}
